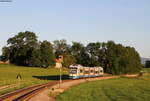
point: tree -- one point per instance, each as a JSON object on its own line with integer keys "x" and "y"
{"x": 36, "y": 58}
{"x": 93, "y": 50}
{"x": 147, "y": 64}
{"x": 60, "y": 47}
{"x": 84, "y": 58}
{"x": 24, "y": 49}
{"x": 114, "y": 58}
{"x": 47, "y": 55}
{"x": 76, "y": 48}
{"x": 121, "y": 60}
{"x": 77, "y": 51}
{"x": 21, "y": 46}
{"x": 6, "y": 54}
{"x": 68, "y": 60}
{"x": 111, "y": 62}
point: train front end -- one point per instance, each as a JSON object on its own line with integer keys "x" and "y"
{"x": 73, "y": 71}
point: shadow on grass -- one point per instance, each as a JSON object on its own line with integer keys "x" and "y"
{"x": 52, "y": 77}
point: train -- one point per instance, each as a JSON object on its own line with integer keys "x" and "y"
{"x": 79, "y": 71}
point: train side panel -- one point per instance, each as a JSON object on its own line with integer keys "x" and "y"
{"x": 78, "y": 71}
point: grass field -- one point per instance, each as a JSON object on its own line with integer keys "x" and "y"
{"x": 122, "y": 89}
{"x": 30, "y": 76}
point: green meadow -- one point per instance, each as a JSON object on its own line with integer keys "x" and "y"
{"x": 29, "y": 76}
{"x": 121, "y": 89}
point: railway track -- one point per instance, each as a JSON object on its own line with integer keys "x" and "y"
{"x": 26, "y": 93}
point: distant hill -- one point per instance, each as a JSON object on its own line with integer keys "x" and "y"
{"x": 143, "y": 60}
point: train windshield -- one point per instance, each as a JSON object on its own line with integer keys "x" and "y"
{"x": 73, "y": 71}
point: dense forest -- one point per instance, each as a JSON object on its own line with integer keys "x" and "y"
{"x": 24, "y": 49}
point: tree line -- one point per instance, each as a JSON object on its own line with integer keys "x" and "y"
{"x": 25, "y": 49}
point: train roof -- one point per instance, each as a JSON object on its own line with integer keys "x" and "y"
{"x": 80, "y": 66}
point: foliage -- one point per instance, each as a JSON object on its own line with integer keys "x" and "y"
{"x": 93, "y": 50}
{"x": 78, "y": 51}
{"x": 68, "y": 60}
{"x": 47, "y": 56}
{"x": 20, "y": 47}
{"x": 121, "y": 60}
{"x": 122, "y": 89}
{"x": 24, "y": 49}
{"x": 62, "y": 48}
{"x": 5, "y": 55}
{"x": 36, "y": 58}
{"x": 114, "y": 58}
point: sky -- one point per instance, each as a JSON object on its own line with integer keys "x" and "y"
{"x": 123, "y": 21}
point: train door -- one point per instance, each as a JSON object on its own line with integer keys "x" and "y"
{"x": 81, "y": 72}
{"x": 96, "y": 71}
{"x": 91, "y": 72}
{"x": 86, "y": 72}
{"x": 101, "y": 71}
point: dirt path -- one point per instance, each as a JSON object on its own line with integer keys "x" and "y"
{"x": 8, "y": 86}
{"x": 45, "y": 95}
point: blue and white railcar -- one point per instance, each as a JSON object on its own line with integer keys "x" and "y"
{"x": 74, "y": 71}
{"x": 78, "y": 71}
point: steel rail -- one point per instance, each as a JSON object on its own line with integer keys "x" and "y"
{"x": 20, "y": 94}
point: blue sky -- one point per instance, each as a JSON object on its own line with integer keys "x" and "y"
{"x": 124, "y": 21}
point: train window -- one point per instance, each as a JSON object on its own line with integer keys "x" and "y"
{"x": 73, "y": 71}
{"x": 96, "y": 72}
{"x": 91, "y": 71}
{"x": 86, "y": 72}
{"x": 81, "y": 71}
